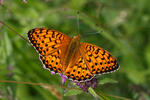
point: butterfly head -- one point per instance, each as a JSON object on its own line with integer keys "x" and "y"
{"x": 77, "y": 38}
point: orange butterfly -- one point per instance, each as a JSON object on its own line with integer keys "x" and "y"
{"x": 78, "y": 61}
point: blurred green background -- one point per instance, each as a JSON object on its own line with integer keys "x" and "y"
{"x": 120, "y": 26}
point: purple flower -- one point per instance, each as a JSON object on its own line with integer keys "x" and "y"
{"x": 44, "y": 67}
{"x": 2, "y": 2}
{"x": 9, "y": 67}
{"x": 52, "y": 72}
{"x": 63, "y": 78}
{"x": 85, "y": 85}
{"x": 94, "y": 82}
{"x": 24, "y": 1}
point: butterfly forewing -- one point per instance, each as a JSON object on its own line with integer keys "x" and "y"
{"x": 51, "y": 46}
{"x": 98, "y": 60}
{"x": 47, "y": 41}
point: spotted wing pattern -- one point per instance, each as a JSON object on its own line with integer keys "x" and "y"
{"x": 79, "y": 71}
{"x": 89, "y": 60}
{"x": 52, "y": 62}
{"x": 93, "y": 60}
{"x": 98, "y": 60}
{"x": 46, "y": 40}
{"x": 51, "y": 46}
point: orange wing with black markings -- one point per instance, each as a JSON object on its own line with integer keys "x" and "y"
{"x": 98, "y": 60}
{"x": 79, "y": 70}
{"x": 78, "y": 61}
{"x": 52, "y": 62}
{"x": 51, "y": 45}
{"x": 93, "y": 60}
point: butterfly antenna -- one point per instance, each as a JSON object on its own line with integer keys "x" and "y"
{"x": 14, "y": 31}
{"x": 93, "y": 33}
{"x": 98, "y": 32}
{"x": 78, "y": 21}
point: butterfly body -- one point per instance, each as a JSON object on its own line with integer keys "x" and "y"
{"x": 71, "y": 51}
{"x": 78, "y": 61}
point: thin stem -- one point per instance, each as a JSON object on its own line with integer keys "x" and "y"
{"x": 92, "y": 92}
{"x": 119, "y": 97}
{"x": 31, "y": 83}
{"x": 14, "y": 31}
{"x": 20, "y": 82}
{"x": 122, "y": 98}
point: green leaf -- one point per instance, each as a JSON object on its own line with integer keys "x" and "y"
{"x": 7, "y": 44}
{"x": 73, "y": 92}
{"x": 92, "y": 92}
{"x": 107, "y": 80}
{"x": 101, "y": 95}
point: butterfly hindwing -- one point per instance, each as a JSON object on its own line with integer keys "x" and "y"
{"x": 52, "y": 62}
{"x": 79, "y": 71}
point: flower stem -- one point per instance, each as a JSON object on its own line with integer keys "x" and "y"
{"x": 99, "y": 95}
{"x": 91, "y": 90}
